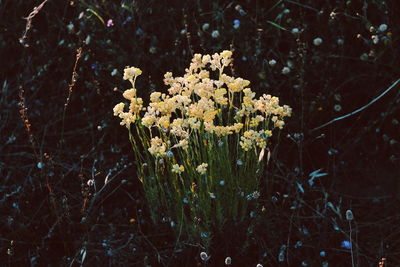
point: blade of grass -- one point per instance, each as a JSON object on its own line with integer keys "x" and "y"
{"x": 276, "y": 25}
{"x": 97, "y": 15}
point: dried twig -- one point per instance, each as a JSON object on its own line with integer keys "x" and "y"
{"x": 23, "y": 111}
{"x": 35, "y": 11}
{"x": 70, "y": 89}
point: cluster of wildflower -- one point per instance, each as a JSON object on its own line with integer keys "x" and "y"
{"x": 178, "y": 168}
{"x": 202, "y": 168}
{"x": 136, "y": 103}
{"x": 196, "y": 101}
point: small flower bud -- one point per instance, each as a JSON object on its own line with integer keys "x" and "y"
{"x": 317, "y": 41}
{"x": 215, "y": 34}
{"x": 349, "y": 215}
{"x": 285, "y": 70}
{"x": 382, "y": 27}
{"x": 295, "y": 30}
{"x": 205, "y": 26}
{"x": 272, "y": 62}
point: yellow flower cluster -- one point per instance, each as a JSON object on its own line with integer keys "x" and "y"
{"x": 195, "y": 102}
{"x": 158, "y": 147}
{"x": 251, "y": 138}
{"x": 136, "y": 103}
{"x": 130, "y": 73}
{"x": 178, "y": 168}
{"x": 202, "y": 168}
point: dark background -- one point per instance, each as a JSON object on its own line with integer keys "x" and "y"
{"x": 50, "y": 146}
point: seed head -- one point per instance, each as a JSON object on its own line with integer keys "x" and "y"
{"x": 204, "y": 256}
{"x": 349, "y": 215}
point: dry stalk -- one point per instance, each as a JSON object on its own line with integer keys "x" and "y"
{"x": 70, "y": 89}
{"x": 35, "y": 11}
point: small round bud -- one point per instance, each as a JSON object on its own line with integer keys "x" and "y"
{"x": 272, "y": 62}
{"x": 205, "y": 26}
{"x": 285, "y": 70}
{"x": 382, "y": 27}
{"x": 317, "y": 41}
{"x": 215, "y": 34}
{"x": 349, "y": 215}
{"x": 295, "y": 30}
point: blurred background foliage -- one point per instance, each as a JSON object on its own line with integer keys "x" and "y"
{"x": 52, "y": 215}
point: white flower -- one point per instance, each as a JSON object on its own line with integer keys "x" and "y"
{"x": 285, "y": 70}
{"x": 286, "y": 11}
{"x": 114, "y": 72}
{"x": 205, "y": 26}
{"x": 272, "y": 62}
{"x": 259, "y": 265}
{"x": 383, "y": 27}
{"x": 228, "y": 261}
{"x": 317, "y": 41}
{"x": 215, "y": 34}
{"x": 340, "y": 41}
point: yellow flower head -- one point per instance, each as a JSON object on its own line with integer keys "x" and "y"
{"x": 131, "y": 72}
{"x": 202, "y": 168}
{"x": 176, "y": 168}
